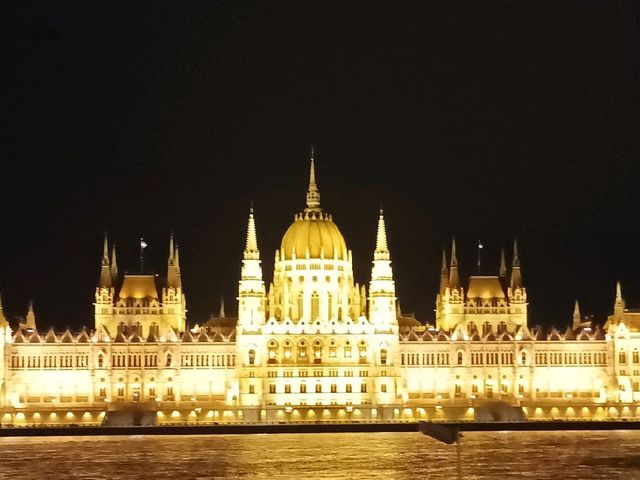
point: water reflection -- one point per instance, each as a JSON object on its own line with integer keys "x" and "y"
{"x": 540, "y": 455}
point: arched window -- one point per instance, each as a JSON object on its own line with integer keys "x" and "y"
{"x": 100, "y": 361}
{"x": 329, "y": 306}
{"x": 460, "y": 358}
{"x": 169, "y": 359}
{"x": 302, "y": 352}
{"x": 362, "y": 352}
{"x": 273, "y": 352}
{"x": 636, "y": 356}
{"x": 287, "y": 351}
{"x": 383, "y": 357}
{"x": 315, "y": 306}
{"x": 317, "y": 351}
{"x": 523, "y": 358}
{"x": 252, "y": 357}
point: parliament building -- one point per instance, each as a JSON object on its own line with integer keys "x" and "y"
{"x": 313, "y": 345}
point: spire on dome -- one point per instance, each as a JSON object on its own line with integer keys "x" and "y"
{"x": 454, "y": 279}
{"x": 251, "y": 248}
{"x": 313, "y": 195}
{"x": 114, "y": 262}
{"x": 105, "y": 271}
{"x": 619, "y": 293}
{"x": 503, "y": 264}
{"x": 382, "y": 249}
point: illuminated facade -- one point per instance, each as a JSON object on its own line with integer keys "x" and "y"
{"x": 314, "y": 345}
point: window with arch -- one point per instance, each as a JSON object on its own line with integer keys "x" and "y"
{"x": 302, "y": 352}
{"x": 317, "y": 351}
{"x": 272, "y": 351}
{"x": 635, "y": 356}
{"x": 169, "y": 360}
{"x": 347, "y": 350}
{"x": 460, "y": 358}
{"x": 252, "y": 357}
{"x": 523, "y": 358}
{"x": 100, "y": 361}
{"x": 383, "y": 356}
{"x": 362, "y": 352}
{"x": 329, "y": 304}
{"x": 286, "y": 351}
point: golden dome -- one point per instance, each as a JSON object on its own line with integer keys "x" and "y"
{"x": 315, "y": 232}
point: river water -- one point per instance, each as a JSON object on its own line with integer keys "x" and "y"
{"x": 539, "y": 455}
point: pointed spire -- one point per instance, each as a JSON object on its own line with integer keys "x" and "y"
{"x": 619, "y": 293}
{"x": 454, "y": 279}
{"x": 618, "y": 306}
{"x": 173, "y": 265}
{"x": 577, "y": 318}
{"x": 3, "y": 319}
{"x": 105, "y": 271}
{"x": 171, "y": 250}
{"x": 176, "y": 257}
{"x": 221, "y": 313}
{"x": 30, "y": 322}
{"x": 503, "y": 264}
{"x": 516, "y": 276}
{"x": 114, "y": 262}
{"x": 251, "y": 248}
{"x": 105, "y": 251}
{"x": 444, "y": 272}
{"x": 382, "y": 249}
{"x": 313, "y": 195}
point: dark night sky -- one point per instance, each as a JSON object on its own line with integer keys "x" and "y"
{"x": 480, "y": 119}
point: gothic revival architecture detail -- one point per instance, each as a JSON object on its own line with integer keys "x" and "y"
{"x": 315, "y": 345}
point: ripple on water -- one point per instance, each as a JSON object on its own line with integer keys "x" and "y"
{"x": 539, "y": 455}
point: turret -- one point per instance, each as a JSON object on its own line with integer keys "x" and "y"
{"x": 577, "y": 318}
{"x": 105, "y": 270}
{"x": 173, "y": 266}
{"x": 454, "y": 276}
{"x": 114, "y": 263}
{"x": 30, "y": 321}
{"x": 618, "y": 306}
{"x": 503, "y": 265}
{"x": 3, "y": 320}
{"x": 251, "y": 291}
{"x": 444, "y": 273}
{"x": 516, "y": 276}
{"x": 382, "y": 298}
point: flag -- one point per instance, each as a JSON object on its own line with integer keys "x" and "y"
{"x": 143, "y": 244}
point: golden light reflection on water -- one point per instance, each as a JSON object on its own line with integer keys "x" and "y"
{"x": 545, "y": 455}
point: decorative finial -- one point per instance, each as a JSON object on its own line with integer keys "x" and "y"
{"x": 105, "y": 251}
{"x": 382, "y": 249}
{"x": 251, "y": 247}
{"x": 503, "y": 264}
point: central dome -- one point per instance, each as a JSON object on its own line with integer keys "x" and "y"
{"x": 313, "y": 232}
{"x": 316, "y": 233}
